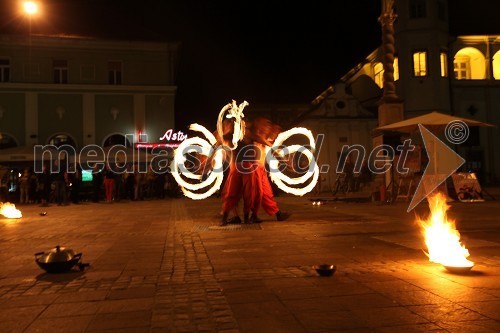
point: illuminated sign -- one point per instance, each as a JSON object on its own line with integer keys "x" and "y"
{"x": 170, "y": 139}
{"x": 171, "y": 136}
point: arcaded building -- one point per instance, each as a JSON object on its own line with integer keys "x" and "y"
{"x": 80, "y": 91}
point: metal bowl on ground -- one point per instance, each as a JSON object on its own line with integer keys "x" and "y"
{"x": 59, "y": 260}
{"x": 325, "y": 269}
{"x": 458, "y": 269}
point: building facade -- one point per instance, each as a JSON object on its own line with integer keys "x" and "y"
{"x": 82, "y": 91}
{"x": 435, "y": 70}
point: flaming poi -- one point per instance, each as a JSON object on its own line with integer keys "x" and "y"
{"x": 442, "y": 238}
{"x": 9, "y": 210}
{"x": 195, "y": 187}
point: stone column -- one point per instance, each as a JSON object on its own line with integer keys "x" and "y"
{"x": 390, "y": 108}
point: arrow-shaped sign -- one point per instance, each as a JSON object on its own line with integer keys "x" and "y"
{"x": 443, "y": 162}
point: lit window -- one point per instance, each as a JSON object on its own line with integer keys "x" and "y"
{"x": 461, "y": 68}
{"x": 4, "y": 70}
{"x": 443, "y": 58}
{"x": 115, "y": 72}
{"x": 496, "y": 66}
{"x": 378, "y": 74}
{"x": 60, "y": 71}
{"x": 469, "y": 64}
{"x": 420, "y": 63}
{"x": 417, "y": 9}
{"x": 396, "y": 69}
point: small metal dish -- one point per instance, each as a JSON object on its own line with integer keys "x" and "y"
{"x": 325, "y": 269}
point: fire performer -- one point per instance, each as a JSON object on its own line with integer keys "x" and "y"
{"x": 248, "y": 178}
{"x": 267, "y": 132}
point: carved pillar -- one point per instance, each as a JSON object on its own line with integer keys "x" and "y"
{"x": 390, "y": 105}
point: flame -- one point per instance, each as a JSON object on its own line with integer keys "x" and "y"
{"x": 283, "y": 181}
{"x": 214, "y": 180}
{"x": 204, "y": 147}
{"x": 441, "y": 237}
{"x": 9, "y": 211}
{"x": 235, "y": 112}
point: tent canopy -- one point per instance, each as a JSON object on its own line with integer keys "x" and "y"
{"x": 433, "y": 120}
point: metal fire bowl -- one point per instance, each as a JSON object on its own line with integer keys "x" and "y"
{"x": 458, "y": 270}
{"x": 58, "y": 267}
{"x": 325, "y": 269}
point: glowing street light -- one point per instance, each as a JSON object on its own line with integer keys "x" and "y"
{"x": 30, "y": 7}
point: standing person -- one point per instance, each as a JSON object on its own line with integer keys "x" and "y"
{"x": 44, "y": 183}
{"x": 243, "y": 179}
{"x": 96, "y": 183}
{"x": 24, "y": 185}
{"x": 32, "y": 191}
{"x": 59, "y": 179}
{"x": 138, "y": 181}
{"x": 129, "y": 182}
{"x": 75, "y": 178}
{"x": 118, "y": 185}
{"x": 265, "y": 133}
{"x": 109, "y": 183}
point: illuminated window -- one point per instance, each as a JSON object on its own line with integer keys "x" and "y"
{"x": 115, "y": 72}
{"x": 420, "y": 63}
{"x": 60, "y": 71}
{"x": 4, "y": 70}
{"x": 396, "y": 69}
{"x": 417, "y": 9}
{"x": 443, "y": 58}
{"x": 461, "y": 68}
{"x": 378, "y": 74}
{"x": 469, "y": 64}
{"x": 496, "y": 66}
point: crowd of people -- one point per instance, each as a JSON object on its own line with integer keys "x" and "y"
{"x": 57, "y": 184}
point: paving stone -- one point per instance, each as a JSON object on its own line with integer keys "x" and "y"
{"x": 159, "y": 266}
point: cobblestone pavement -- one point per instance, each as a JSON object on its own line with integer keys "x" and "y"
{"x": 166, "y": 266}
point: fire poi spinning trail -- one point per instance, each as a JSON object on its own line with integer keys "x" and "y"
{"x": 192, "y": 183}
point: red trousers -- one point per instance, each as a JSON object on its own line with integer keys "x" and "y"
{"x": 242, "y": 182}
{"x": 109, "y": 185}
{"x": 267, "y": 197}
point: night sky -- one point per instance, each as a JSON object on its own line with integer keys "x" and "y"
{"x": 260, "y": 51}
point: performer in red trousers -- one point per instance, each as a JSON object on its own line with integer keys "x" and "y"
{"x": 267, "y": 131}
{"x": 242, "y": 181}
{"x": 247, "y": 177}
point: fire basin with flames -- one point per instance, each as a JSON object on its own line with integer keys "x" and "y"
{"x": 443, "y": 239}
{"x": 9, "y": 210}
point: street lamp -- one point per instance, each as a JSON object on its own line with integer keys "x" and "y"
{"x": 30, "y": 7}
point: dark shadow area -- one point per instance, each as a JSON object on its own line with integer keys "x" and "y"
{"x": 60, "y": 277}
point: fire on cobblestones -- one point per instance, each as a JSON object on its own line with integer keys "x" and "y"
{"x": 442, "y": 238}
{"x": 10, "y": 211}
